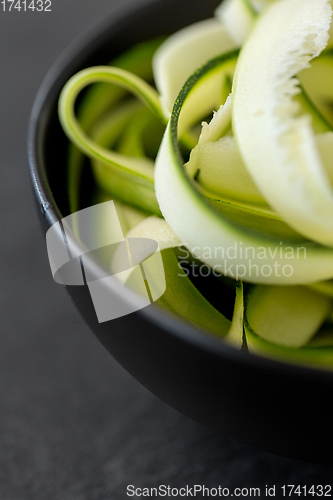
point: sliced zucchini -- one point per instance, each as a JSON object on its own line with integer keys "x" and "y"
{"x": 185, "y": 51}
{"x": 235, "y": 335}
{"x": 238, "y": 16}
{"x": 320, "y": 123}
{"x": 181, "y": 297}
{"x": 122, "y": 130}
{"x": 316, "y": 80}
{"x": 287, "y": 316}
{"x": 75, "y": 133}
{"x": 106, "y": 131}
{"x": 205, "y": 94}
{"x": 210, "y": 236}
{"x": 125, "y": 169}
{"x": 99, "y": 98}
{"x": 324, "y": 287}
{"x": 278, "y": 145}
{"x": 314, "y": 354}
{"x": 219, "y": 168}
{"x": 325, "y": 148}
{"x": 257, "y": 218}
{"x": 155, "y": 229}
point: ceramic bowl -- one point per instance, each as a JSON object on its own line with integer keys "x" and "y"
{"x": 272, "y": 405}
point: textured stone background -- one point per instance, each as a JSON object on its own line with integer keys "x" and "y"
{"x": 73, "y": 424}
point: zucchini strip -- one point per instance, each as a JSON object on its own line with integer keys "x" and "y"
{"x": 288, "y": 316}
{"x": 185, "y": 51}
{"x": 139, "y": 167}
{"x": 279, "y": 146}
{"x": 255, "y": 217}
{"x": 206, "y": 91}
{"x": 121, "y": 184}
{"x": 216, "y": 162}
{"x": 324, "y": 287}
{"x": 316, "y": 80}
{"x": 181, "y": 297}
{"x": 101, "y": 97}
{"x": 238, "y": 16}
{"x": 201, "y": 227}
{"x": 316, "y": 353}
{"x": 235, "y": 335}
{"x": 220, "y": 169}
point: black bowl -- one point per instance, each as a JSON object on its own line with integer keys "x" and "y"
{"x": 278, "y": 407}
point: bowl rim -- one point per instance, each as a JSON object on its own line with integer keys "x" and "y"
{"x": 92, "y": 38}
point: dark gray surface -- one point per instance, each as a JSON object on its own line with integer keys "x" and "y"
{"x": 73, "y": 424}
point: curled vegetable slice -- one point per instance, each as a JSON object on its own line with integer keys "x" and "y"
{"x": 288, "y": 316}
{"x": 318, "y": 352}
{"x": 123, "y": 127}
{"x": 185, "y": 51}
{"x": 216, "y": 163}
{"x": 219, "y": 167}
{"x": 125, "y": 169}
{"x": 238, "y": 16}
{"x": 277, "y": 145}
{"x": 324, "y": 287}
{"x": 255, "y": 217}
{"x": 181, "y": 297}
{"x": 316, "y": 80}
{"x": 104, "y": 96}
{"x": 208, "y": 234}
{"x": 134, "y": 84}
{"x": 221, "y": 170}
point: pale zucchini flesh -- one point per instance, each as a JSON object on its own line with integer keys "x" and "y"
{"x": 278, "y": 145}
{"x": 183, "y": 53}
{"x": 288, "y": 316}
{"x": 238, "y": 16}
